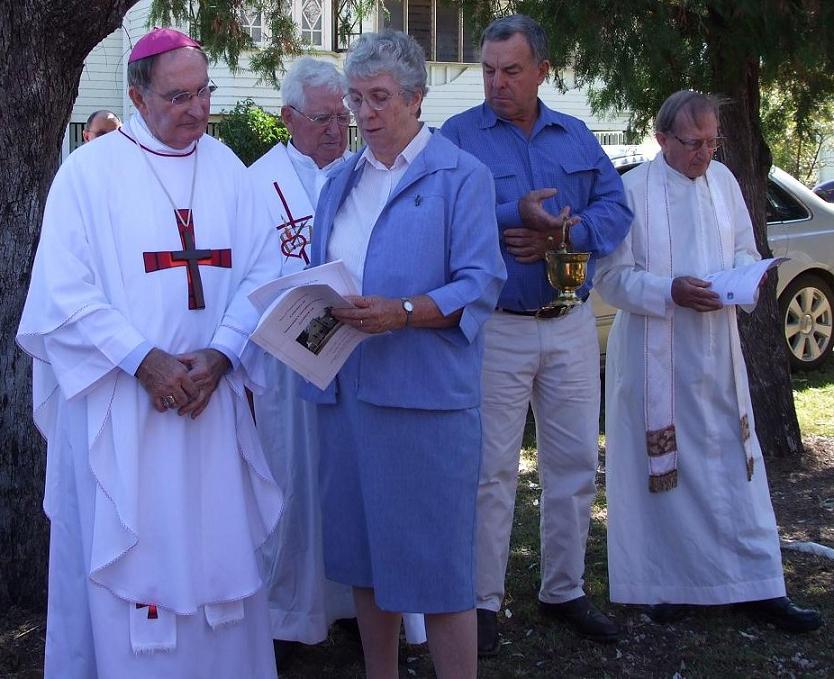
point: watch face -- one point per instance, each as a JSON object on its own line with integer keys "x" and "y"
{"x": 408, "y": 306}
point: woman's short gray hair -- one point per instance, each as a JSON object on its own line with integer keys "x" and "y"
{"x": 392, "y": 52}
{"x": 689, "y": 102}
{"x": 505, "y": 28}
{"x": 139, "y": 72}
{"x": 309, "y": 72}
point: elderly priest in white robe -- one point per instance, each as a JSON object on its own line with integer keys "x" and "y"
{"x": 689, "y": 513}
{"x": 157, "y": 489}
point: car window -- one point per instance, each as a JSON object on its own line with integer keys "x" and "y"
{"x": 782, "y": 206}
{"x": 625, "y": 167}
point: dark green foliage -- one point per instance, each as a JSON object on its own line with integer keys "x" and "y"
{"x": 633, "y": 53}
{"x": 796, "y": 120}
{"x": 250, "y": 131}
{"x": 219, "y": 26}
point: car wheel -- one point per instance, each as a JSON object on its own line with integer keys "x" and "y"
{"x": 806, "y": 307}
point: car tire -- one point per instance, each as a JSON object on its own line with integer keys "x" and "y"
{"x": 806, "y": 308}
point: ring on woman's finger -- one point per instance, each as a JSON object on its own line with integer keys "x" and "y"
{"x": 361, "y": 322}
{"x": 169, "y": 401}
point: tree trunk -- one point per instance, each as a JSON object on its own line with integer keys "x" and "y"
{"x": 43, "y": 45}
{"x": 748, "y": 156}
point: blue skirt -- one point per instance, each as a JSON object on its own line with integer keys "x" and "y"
{"x": 399, "y": 490}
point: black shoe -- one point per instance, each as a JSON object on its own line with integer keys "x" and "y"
{"x": 284, "y": 652}
{"x": 350, "y": 628}
{"x": 487, "y": 633}
{"x": 785, "y": 614}
{"x": 663, "y": 614}
{"x": 585, "y": 618}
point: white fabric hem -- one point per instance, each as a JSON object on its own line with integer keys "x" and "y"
{"x": 305, "y": 628}
{"x": 731, "y": 593}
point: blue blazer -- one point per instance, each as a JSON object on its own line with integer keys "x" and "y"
{"x": 436, "y": 235}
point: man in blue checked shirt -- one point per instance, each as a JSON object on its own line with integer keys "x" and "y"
{"x": 547, "y": 167}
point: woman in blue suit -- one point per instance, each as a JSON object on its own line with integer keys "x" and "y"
{"x": 412, "y": 216}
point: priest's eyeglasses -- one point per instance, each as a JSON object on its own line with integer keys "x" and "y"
{"x": 183, "y": 98}
{"x": 323, "y": 119}
{"x": 376, "y": 99}
{"x": 697, "y": 144}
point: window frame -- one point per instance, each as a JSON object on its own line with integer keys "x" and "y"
{"x": 431, "y": 54}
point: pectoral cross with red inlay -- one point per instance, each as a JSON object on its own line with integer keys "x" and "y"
{"x": 293, "y": 241}
{"x": 189, "y": 257}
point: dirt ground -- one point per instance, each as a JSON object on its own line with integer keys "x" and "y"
{"x": 707, "y": 644}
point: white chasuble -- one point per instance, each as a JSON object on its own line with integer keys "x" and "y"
{"x": 156, "y": 519}
{"x": 712, "y": 538}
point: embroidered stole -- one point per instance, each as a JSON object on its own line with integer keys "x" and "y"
{"x": 292, "y": 213}
{"x": 659, "y": 359}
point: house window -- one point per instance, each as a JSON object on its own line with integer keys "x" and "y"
{"x": 444, "y": 31}
{"x": 348, "y": 23}
{"x": 75, "y": 135}
{"x": 253, "y": 23}
{"x": 312, "y": 23}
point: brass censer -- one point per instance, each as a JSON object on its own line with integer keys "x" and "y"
{"x": 566, "y": 272}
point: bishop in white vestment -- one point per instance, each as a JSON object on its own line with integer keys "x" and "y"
{"x": 158, "y": 500}
{"x": 689, "y": 514}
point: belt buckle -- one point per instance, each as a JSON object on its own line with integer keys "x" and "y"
{"x": 553, "y": 311}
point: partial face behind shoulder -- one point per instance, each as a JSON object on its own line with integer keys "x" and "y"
{"x": 101, "y": 125}
{"x": 175, "y": 72}
{"x": 676, "y": 145}
{"x": 323, "y": 143}
{"x": 512, "y": 77}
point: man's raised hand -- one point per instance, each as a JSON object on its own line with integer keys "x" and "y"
{"x": 532, "y": 213}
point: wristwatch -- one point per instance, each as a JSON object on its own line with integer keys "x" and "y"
{"x": 408, "y": 305}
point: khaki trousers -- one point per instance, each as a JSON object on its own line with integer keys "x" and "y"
{"x": 554, "y": 366}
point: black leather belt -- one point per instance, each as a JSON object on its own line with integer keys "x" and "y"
{"x": 516, "y": 313}
{"x": 532, "y": 312}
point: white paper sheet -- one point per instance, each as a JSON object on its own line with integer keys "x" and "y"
{"x": 741, "y": 285}
{"x": 334, "y": 274}
{"x": 296, "y": 325}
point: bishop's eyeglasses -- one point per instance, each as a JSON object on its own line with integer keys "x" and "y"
{"x": 184, "y": 98}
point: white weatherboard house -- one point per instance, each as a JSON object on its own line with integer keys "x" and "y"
{"x": 454, "y": 72}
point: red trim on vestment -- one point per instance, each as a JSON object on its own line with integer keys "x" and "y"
{"x": 159, "y": 153}
{"x": 292, "y": 241}
{"x": 152, "y": 612}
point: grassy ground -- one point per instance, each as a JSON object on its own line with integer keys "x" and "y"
{"x": 813, "y": 394}
{"x": 714, "y": 642}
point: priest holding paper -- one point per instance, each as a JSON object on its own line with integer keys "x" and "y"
{"x": 689, "y": 514}
{"x": 157, "y": 489}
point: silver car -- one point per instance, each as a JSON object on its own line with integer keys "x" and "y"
{"x": 800, "y": 225}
